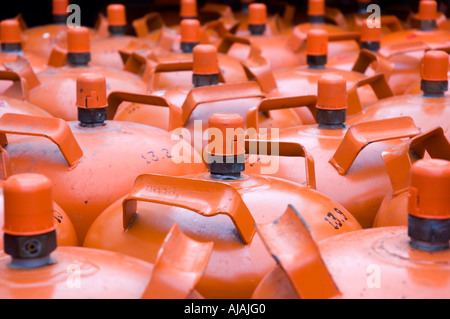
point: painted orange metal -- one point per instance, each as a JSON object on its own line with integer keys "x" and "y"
{"x": 351, "y": 170}
{"x": 393, "y": 210}
{"x": 54, "y": 89}
{"x": 105, "y": 45}
{"x": 85, "y": 160}
{"x": 86, "y": 273}
{"x": 376, "y": 263}
{"x": 222, "y": 210}
{"x": 427, "y": 111}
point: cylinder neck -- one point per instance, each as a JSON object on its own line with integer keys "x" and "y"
{"x": 429, "y": 234}
{"x": 222, "y": 167}
{"x": 13, "y": 48}
{"x": 331, "y": 119}
{"x": 257, "y": 29}
{"x": 92, "y": 117}
{"x": 117, "y": 30}
{"x": 30, "y": 251}
{"x": 371, "y": 46}
{"x": 60, "y": 19}
{"x": 433, "y": 88}
{"x": 316, "y": 61}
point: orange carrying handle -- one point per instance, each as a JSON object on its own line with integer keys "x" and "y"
{"x": 20, "y": 70}
{"x": 150, "y": 22}
{"x": 379, "y": 86}
{"x": 215, "y": 93}
{"x": 118, "y": 97}
{"x": 56, "y": 130}
{"x": 290, "y": 149}
{"x": 289, "y": 241}
{"x": 207, "y": 198}
{"x": 360, "y": 135}
{"x": 179, "y": 266}
{"x": 398, "y": 158}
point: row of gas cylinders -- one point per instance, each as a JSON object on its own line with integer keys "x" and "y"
{"x": 242, "y": 157}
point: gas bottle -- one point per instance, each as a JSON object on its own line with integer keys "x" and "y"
{"x": 429, "y": 109}
{"x": 220, "y": 206}
{"x": 350, "y": 168}
{"x": 40, "y": 40}
{"x": 273, "y": 46}
{"x": 402, "y": 262}
{"x": 12, "y": 45}
{"x": 425, "y": 32}
{"x": 399, "y": 159}
{"x": 34, "y": 266}
{"x": 53, "y": 90}
{"x": 399, "y": 63}
{"x": 65, "y": 232}
{"x": 316, "y": 20}
{"x": 105, "y": 47}
{"x": 177, "y": 60}
{"x": 91, "y": 162}
{"x": 189, "y": 106}
{"x": 302, "y": 80}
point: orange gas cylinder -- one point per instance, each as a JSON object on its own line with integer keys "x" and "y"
{"x": 399, "y": 67}
{"x": 380, "y": 263}
{"x": 91, "y": 162}
{"x": 65, "y": 232}
{"x": 393, "y": 210}
{"x": 40, "y": 40}
{"x": 12, "y": 46}
{"x": 350, "y": 169}
{"x": 316, "y": 16}
{"x": 167, "y": 68}
{"x": 302, "y": 80}
{"x": 430, "y": 109}
{"x": 105, "y": 47}
{"x": 53, "y": 90}
{"x": 274, "y": 47}
{"x": 34, "y": 266}
{"x": 425, "y": 32}
{"x": 221, "y": 206}
{"x": 189, "y": 105}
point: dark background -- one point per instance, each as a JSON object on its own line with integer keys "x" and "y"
{"x": 39, "y": 12}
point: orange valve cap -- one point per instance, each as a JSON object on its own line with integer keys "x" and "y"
{"x": 190, "y": 31}
{"x": 205, "y": 58}
{"x": 28, "y": 205}
{"x": 370, "y": 34}
{"x": 257, "y": 14}
{"x": 78, "y": 40}
{"x": 59, "y": 7}
{"x": 316, "y": 8}
{"x": 227, "y": 128}
{"x": 332, "y": 93}
{"x": 429, "y": 192}
{"x": 188, "y": 9}
{"x": 427, "y": 10}
{"x": 91, "y": 91}
{"x": 434, "y": 66}
{"x": 317, "y": 42}
{"x": 10, "y": 31}
{"x": 434, "y": 73}
{"x": 116, "y": 15}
